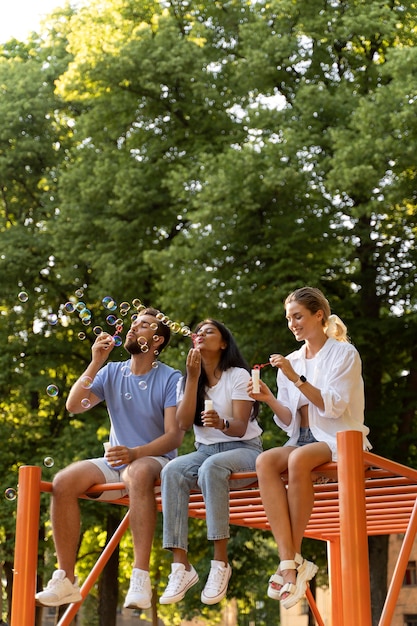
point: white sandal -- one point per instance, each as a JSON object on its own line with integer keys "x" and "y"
{"x": 306, "y": 570}
{"x": 277, "y": 578}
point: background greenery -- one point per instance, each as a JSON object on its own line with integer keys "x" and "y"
{"x": 207, "y": 158}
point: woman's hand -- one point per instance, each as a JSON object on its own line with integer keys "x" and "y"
{"x": 193, "y": 363}
{"x": 264, "y": 393}
{"x": 279, "y": 361}
{"x": 212, "y": 419}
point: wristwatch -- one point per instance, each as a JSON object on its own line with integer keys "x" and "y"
{"x": 300, "y": 381}
{"x": 226, "y": 424}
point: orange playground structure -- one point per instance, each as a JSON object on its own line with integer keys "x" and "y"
{"x": 361, "y": 495}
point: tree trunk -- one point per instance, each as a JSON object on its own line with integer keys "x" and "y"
{"x": 378, "y": 564}
{"x": 313, "y": 587}
{"x": 109, "y": 580}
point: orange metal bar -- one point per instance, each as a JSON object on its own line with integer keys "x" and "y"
{"x": 364, "y": 495}
{"x": 399, "y": 572}
{"x": 354, "y": 539}
{"x": 72, "y": 610}
{"x": 313, "y": 606}
{"x": 335, "y": 581}
{"x": 26, "y": 547}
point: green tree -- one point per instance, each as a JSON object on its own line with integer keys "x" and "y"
{"x": 207, "y": 158}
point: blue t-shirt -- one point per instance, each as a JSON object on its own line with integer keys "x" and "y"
{"x": 136, "y": 403}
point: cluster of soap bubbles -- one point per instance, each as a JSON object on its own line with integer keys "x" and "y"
{"x": 115, "y": 314}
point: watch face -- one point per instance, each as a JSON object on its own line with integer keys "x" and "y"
{"x": 303, "y": 378}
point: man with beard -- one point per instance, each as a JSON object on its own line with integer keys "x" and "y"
{"x": 140, "y": 395}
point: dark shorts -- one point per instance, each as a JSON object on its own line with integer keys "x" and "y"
{"x": 305, "y": 437}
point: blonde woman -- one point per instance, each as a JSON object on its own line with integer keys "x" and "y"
{"x": 320, "y": 392}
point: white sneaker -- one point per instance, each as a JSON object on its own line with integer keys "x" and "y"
{"x": 59, "y": 590}
{"x": 217, "y": 583}
{"x": 139, "y": 595}
{"x": 179, "y": 581}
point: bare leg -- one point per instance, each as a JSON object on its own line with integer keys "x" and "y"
{"x": 220, "y": 550}
{"x": 181, "y": 556}
{"x": 68, "y": 485}
{"x": 139, "y": 478}
{"x": 288, "y": 511}
{"x": 300, "y": 486}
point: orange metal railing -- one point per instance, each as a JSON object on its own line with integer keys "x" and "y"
{"x": 362, "y": 495}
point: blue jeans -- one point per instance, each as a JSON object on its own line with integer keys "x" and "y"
{"x": 207, "y": 469}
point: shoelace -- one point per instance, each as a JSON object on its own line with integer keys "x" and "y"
{"x": 137, "y": 583}
{"x": 216, "y": 578}
{"x": 174, "y": 581}
{"x": 55, "y": 583}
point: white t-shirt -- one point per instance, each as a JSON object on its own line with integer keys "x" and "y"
{"x": 231, "y": 386}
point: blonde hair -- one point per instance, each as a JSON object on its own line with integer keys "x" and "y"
{"x": 314, "y": 300}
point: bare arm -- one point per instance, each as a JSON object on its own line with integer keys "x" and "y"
{"x": 187, "y": 407}
{"x": 100, "y": 351}
{"x": 311, "y": 393}
{"x": 266, "y": 395}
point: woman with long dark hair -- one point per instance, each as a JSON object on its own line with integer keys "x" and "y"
{"x": 213, "y": 399}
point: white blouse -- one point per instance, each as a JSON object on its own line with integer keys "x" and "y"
{"x": 338, "y": 374}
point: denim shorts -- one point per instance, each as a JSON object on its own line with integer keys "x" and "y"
{"x": 305, "y": 437}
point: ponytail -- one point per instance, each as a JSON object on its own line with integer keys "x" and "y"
{"x": 336, "y": 329}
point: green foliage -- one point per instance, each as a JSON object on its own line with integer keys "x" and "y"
{"x": 207, "y": 158}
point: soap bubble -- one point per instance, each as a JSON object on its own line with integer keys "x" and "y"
{"x": 85, "y": 314}
{"x": 109, "y": 303}
{"x": 154, "y": 326}
{"x": 155, "y": 365}
{"x": 142, "y": 341}
{"x": 85, "y": 402}
{"x": 144, "y": 348}
{"x": 23, "y": 296}
{"x": 48, "y": 461}
{"x": 128, "y": 396}
{"x": 10, "y": 494}
{"x": 81, "y": 336}
{"x": 52, "y": 319}
{"x": 80, "y": 306}
{"x": 97, "y": 330}
{"x": 86, "y": 382}
{"x": 79, "y": 293}
{"x": 136, "y": 302}
{"x": 185, "y": 331}
{"x": 52, "y": 391}
{"x": 126, "y": 371}
{"x": 69, "y": 307}
{"x": 124, "y": 307}
{"x": 117, "y": 340}
{"x": 175, "y": 327}
{"x": 111, "y": 320}
{"x": 143, "y": 385}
